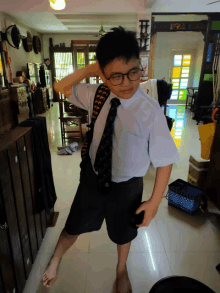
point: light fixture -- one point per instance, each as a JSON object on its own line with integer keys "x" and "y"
{"x": 101, "y": 32}
{"x": 57, "y": 4}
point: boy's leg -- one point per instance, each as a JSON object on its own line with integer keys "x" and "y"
{"x": 64, "y": 243}
{"x": 123, "y": 251}
{"x": 123, "y": 284}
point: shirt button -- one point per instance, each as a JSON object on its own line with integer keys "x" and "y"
{"x": 106, "y": 185}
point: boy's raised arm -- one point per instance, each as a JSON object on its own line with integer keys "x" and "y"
{"x": 65, "y": 85}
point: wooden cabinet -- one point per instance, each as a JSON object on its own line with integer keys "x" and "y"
{"x": 22, "y": 226}
{"x": 8, "y": 112}
{"x": 40, "y": 100}
{"x": 19, "y": 96}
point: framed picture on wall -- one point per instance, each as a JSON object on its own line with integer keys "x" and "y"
{"x": 144, "y": 63}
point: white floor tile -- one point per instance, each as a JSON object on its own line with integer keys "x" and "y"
{"x": 197, "y": 265}
{"x": 71, "y": 277}
{"x": 181, "y": 232}
{"x": 173, "y": 244}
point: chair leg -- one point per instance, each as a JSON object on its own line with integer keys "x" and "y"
{"x": 187, "y": 101}
{"x": 61, "y": 131}
{"x": 80, "y": 129}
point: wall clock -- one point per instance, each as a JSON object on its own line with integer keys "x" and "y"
{"x": 28, "y": 43}
{"x": 37, "y": 44}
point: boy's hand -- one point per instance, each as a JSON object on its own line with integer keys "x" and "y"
{"x": 95, "y": 71}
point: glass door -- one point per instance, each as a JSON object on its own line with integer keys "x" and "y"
{"x": 80, "y": 59}
{"x": 83, "y": 55}
{"x": 180, "y": 75}
{"x": 92, "y": 60}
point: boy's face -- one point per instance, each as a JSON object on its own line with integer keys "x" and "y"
{"x": 127, "y": 88}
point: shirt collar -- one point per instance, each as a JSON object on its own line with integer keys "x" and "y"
{"x": 125, "y": 102}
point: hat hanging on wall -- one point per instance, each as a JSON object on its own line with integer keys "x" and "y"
{"x": 12, "y": 36}
{"x": 37, "y": 44}
{"x": 28, "y": 43}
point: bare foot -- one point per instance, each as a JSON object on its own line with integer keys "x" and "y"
{"x": 50, "y": 274}
{"x": 123, "y": 284}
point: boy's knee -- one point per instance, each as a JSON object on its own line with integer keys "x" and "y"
{"x": 68, "y": 235}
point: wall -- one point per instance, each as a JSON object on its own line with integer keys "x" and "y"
{"x": 179, "y": 6}
{"x": 165, "y": 43}
{"x": 198, "y": 63}
{"x": 19, "y": 57}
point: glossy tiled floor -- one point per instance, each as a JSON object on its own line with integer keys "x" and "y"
{"x": 173, "y": 244}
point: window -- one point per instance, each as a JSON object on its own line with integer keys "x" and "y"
{"x": 92, "y": 60}
{"x": 180, "y": 76}
{"x": 63, "y": 64}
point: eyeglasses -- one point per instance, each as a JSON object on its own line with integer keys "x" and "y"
{"x": 118, "y": 78}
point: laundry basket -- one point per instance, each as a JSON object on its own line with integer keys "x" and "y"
{"x": 185, "y": 196}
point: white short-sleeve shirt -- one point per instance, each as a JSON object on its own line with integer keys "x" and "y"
{"x": 141, "y": 134}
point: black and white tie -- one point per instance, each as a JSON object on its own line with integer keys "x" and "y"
{"x": 103, "y": 160}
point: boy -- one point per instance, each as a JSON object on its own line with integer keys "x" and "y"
{"x": 140, "y": 135}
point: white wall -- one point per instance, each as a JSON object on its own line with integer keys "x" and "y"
{"x": 198, "y": 63}
{"x": 19, "y": 57}
{"x": 166, "y": 43}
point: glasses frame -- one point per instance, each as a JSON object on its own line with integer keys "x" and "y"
{"x": 123, "y": 74}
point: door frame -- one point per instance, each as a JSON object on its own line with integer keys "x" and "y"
{"x": 192, "y": 69}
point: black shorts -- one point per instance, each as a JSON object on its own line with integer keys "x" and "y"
{"x": 90, "y": 207}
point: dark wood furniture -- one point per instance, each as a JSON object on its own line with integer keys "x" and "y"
{"x": 19, "y": 96}
{"x": 40, "y": 100}
{"x": 69, "y": 118}
{"x": 22, "y": 225}
{"x": 8, "y": 112}
{"x": 190, "y": 97}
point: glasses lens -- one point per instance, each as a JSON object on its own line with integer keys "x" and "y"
{"x": 116, "y": 79}
{"x": 134, "y": 74}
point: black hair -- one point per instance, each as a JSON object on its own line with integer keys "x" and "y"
{"x": 120, "y": 44}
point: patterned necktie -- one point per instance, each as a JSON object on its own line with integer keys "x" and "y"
{"x": 103, "y": 160}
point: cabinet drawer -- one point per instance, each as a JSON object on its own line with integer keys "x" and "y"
{"x": 17, "y": 186}
{"x": 7, "y": 280}
{"x": 26, "y": 254}
{"x": 11, "y": 220}
{"x": 34, "y": 187}
{"x": 22, "y": 153}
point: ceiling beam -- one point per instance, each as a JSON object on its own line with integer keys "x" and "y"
{"x": 96, "y": 22}
{"x": 96, "y": 16}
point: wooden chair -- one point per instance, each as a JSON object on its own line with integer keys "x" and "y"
{"x": 72, "y": 116}
{"x": 190, "y": 99}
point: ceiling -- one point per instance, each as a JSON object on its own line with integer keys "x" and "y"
{"x": 85, "y": 18}
{"x": 79, "y": 17}
{"x": 75, "y": 23}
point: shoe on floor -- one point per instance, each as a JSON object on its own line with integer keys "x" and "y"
{"x": 65, "y": 151}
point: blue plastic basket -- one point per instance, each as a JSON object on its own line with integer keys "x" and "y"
{"x": 185, "y": 196}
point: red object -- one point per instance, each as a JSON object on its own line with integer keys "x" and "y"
{"x": 8, "y": 60}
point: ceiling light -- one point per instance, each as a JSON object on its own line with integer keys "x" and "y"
{"x": 101, "y": 32}
{"x": 57, "y": 4}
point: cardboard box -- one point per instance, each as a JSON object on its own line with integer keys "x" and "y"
{"x": 198, "y": 170}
